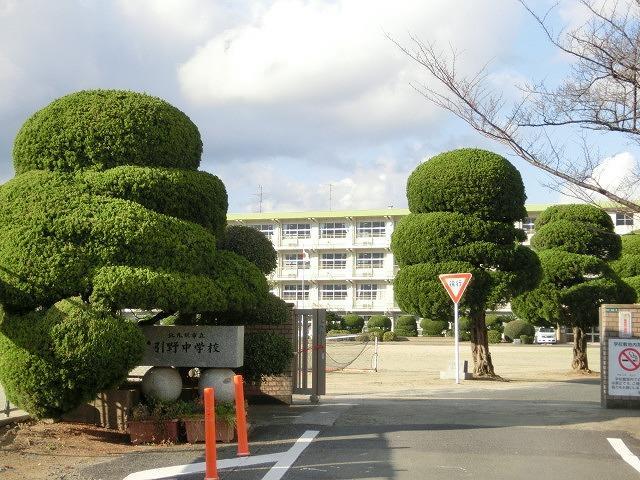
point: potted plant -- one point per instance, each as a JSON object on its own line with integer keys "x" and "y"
{"x": 193, "y": 420}
{"x": 154, "y": 423}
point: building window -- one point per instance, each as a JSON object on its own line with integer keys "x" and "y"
{"x": 265, "y": 228}
{"x": 371, "y": 229}
{"x": 370, "y": 260}
{"x": 333, "y": 260}
{"x": 367, "y": 291}
{"x": 333, "y": 292}
{"x": 295, "y": 292}
{"x": 296, "y": 230}
{"x": 528, "y": 224}
{"x": 333, "y": 230}
{"x": 296, "y": 260}
{"x": 624, "y": 219}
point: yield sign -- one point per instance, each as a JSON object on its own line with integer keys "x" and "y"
{"x": 455, "y": 284}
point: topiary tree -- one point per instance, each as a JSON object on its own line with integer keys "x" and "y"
{"x": 406, "y": 326}
{"x": 463, "y": 207}
{"x": 516, "y": 328}
{"x": 432, "y": 328}
{"x": 252, "y": 245}
{"x": 353, "y": 322}
{"x": 574, "y": 243}
{"x": 628, "y": 265}
{"x": 108, "y": 205}
{"x": 379, "y": 321}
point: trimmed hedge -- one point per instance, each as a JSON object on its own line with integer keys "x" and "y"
{"x": 452, "y": 236}
{"x": 389, "y": 337}
{"x": 578, "y": 237}
{"x": 354, "y": 323}
{"x": 469, "y": 181}
{"x": 265, "y": 353}
{"x": 104, "y": 129}
{"x": 252, "y": 245}
{"x": 517, "y": 328}
{"x": 405, "y": 326}
{"x": 53, "y": 361}
{"x": 198, "y": 197}
{"x": 269, "y": 310}
{"x": 433, "y": 328}
{"x": 379, "y": 321}
{"x": 526, "y": 339}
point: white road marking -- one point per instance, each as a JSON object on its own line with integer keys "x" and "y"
{"x": 290, "y": 456}
{"x": 622, "y": 450}
{"x": 283, "y": 462}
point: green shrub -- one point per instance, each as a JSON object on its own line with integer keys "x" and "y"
{"x": 376, "y": 333}
{"x": 265, "y": 353}
{"x": 528, "y": 339}
{"x": 198, "y": 197}
{"x": 54, "y": 360}
{"x": 334, "y": 321}
{"x": 405, "y": 326}
{"x": 497, "y": 322}
{"x": 464, "y": 336}
{"x": 516, "y": 328}
{"x": 389, "y": 337}
{"x": 432, "y": 328}
{"x": 271, "y": 310}
{"x": 354, "y": 323}
{"x": 379, "y": 321}
{"x": 104, "y": 129}
{"x": 494, "y": 336}
{"x": 252, "y": 245}
{"x": 333, "y": 333}
{"x": 457, "y": 181}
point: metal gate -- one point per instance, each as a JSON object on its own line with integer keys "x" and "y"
{"x": 310, "y": 355}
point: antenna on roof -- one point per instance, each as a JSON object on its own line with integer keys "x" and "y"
{"x": 260, "y": 195}
{"x": 330, "y": 195}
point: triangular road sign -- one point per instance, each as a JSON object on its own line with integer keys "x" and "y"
{"x": 455, "y": 284}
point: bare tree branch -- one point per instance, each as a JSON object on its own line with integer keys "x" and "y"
{"x": 601, "y": 93}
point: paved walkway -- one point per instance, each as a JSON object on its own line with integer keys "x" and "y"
{"x": 551, "y": 430}
{"x": 8, "y": 413}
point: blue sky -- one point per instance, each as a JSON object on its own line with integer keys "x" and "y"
{"x": 292, "y": 95}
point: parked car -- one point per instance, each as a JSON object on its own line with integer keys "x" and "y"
{"x": 545, "y": 335}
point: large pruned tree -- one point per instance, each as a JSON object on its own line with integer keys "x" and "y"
{"x": 601, "y": 92}
{"x": 463, "y": 207}
{"x": 574, "y": 243}
{"x": 628, "y": 265}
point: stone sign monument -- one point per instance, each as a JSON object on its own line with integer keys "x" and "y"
{"x": 194, "y": 346}
{"x": 620, "y": 356}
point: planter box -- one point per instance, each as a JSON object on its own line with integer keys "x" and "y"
{"x": 150, "y": 431}
{"x": 194, "y": 428}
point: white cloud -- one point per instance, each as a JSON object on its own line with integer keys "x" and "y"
{"x": 376, "y": 185}
{"x": 332, "y": 59}
{"x": 617, "y": 173}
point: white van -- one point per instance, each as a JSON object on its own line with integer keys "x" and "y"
{"x": 545, "y": 335}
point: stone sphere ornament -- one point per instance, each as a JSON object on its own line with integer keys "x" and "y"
{"x": 162, "y": 383}
{"x": 221, "y": 380}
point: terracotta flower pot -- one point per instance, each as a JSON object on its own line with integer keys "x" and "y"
{"x": 194, "y": 428}
{"x": 152, "y": 431}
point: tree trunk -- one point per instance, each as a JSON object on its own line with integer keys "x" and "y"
{"x": 482, "y": 364}
{"x": 579, "y": 362}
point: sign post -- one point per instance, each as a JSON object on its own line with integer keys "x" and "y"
{"x": 455, "y": 284}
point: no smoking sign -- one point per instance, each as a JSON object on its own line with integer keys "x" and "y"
{"x": 629, "y": 359}
{"x": 624, "y": 367}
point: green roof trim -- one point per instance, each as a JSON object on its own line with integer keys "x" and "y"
{"x": 381, "y": 212}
